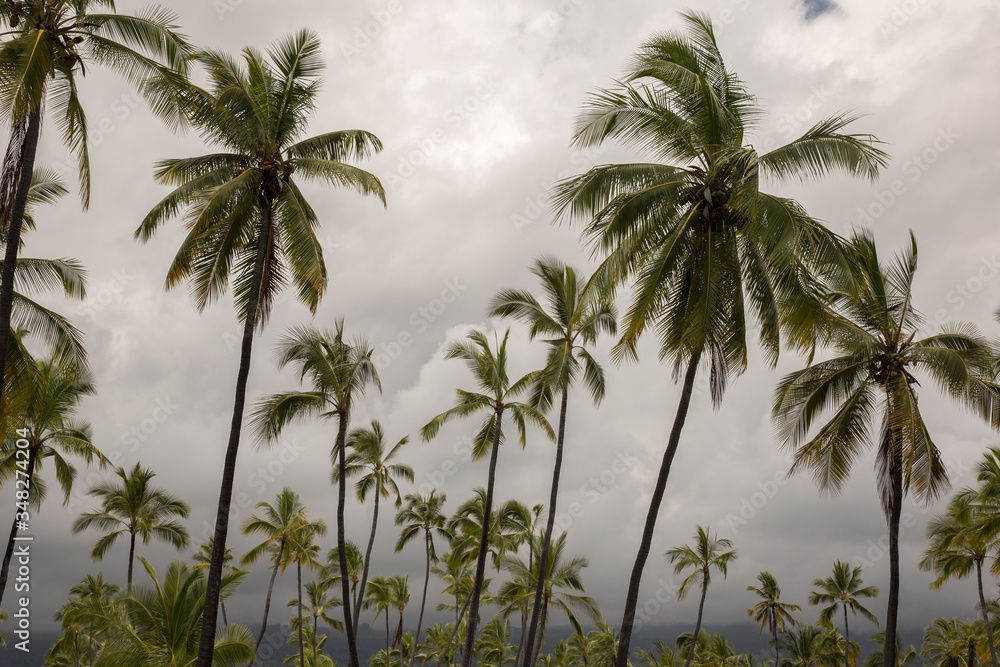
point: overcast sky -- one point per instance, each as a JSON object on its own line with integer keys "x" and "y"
{"x": 475, "y": 104}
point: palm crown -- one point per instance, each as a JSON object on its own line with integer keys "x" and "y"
{"x": 844, "y": 588}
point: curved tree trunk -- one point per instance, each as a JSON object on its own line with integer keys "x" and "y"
{"x": 302, "y": 646}
{"x": 889, "y": 650}
{"x": 267, "y": 600}
{"x": 368, "y": 557}
{"x": 986, "y": 618}
{"x": 628, "y": 618}
{"x": 543, "y": 559}
{"x": 206, "y": 643}
{"x": 454, "y": 631}
{"x": 423, "y": 600}
{"x": 697, "y": 625}
{"x": 131, "y": 559}
{"x": 470, "y": 632}
{"x": 847, "y": 641}
{"x": 9, "y": 554}
{"x": 352, "y": 646}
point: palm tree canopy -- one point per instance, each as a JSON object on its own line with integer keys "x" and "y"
{"x": 422, "y": 513}
{"x": 370, "y": 459}
{"x": 770, "y": 612}
{"x": 708, "y": 553}
{"x": 277, "y": 523}
{"x": 844, "y": 587}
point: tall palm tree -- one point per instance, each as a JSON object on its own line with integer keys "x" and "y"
{"x": 370, "y": 459}
{"x": 48, "y": 426}
{"x": 400, "y": 595}
{"x": 904, "y": 655}
{"x": 422, "y": 513}
{"x": 278, "y": 524}
{"x": 844, "y": 589}
{"x": 692, "y": 229}
{"x": 304, "y": 552}
{"x": 137, "y": 508}
{"x": 958, "y": 544}
{"x": 489, "y": 368}
{"x": 339, "y": 372}
{"x": 317, "y": 604}
{"x": 562, "y": 588}
{"x": 771, "y": 611}
{"x": 47, "y": 47}
{"x": 380, "y": 599}
{"x": 708, "y": 553}
{"x": 246, "y": 214}
{"x": 571, "y": 318}
{"x": 870, "y": 382}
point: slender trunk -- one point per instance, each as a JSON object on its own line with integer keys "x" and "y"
{"x": 628, "y": 619}
{"x": 9, "y": 554}
{"x": 25, "y": 155}
{"x": 971, "y": 660}
{"x": 315, "y": 638}
{"x": 986, "y": 618}
{"x": 267, "y": 600}
{"x": 774, "y": 636}
{"x": 423, "y": 600}
{"x": 543, "y": 559}
{"x": 368, "y": 558}
{"x": 521, "y": 639}
{"x": 302, "y": 646}
{"x": 76, "y": 648}
{"x": 847, "y": 640}
{"x": 225, "y": 621}
{"x": 131, "y": 560}
{"x": 534, "y": 652}
{"x": 697, "y": 625}
{"x": 470, "y": 631}
{"x": 90, "y": 646}
{"x": 889, "y": 651}
{"x": 454, "y": 631}
{"x": 206, "y": 644}
{"x": 386, "y": 637}
{"x": 352, "y": 646}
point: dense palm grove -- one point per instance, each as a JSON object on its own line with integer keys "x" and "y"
{"x": 698, "y": 254}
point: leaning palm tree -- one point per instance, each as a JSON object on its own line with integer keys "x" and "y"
{"x": 572, "y": 318}
{"x": 771, "y": 611}
{"x": 370, "y": 459}
{"x": 422, "y": 514}
{"x": 489, "y": 368}
{"x": 708, "y": 553}
{"x": 49, "y": 430}
{"x": 340, "y": 372}
{"x": 137, "y": 508}
{"x": 47, "y": 46}
{"x": 692, "y": 229}
{"x": 871, "y": 382}
{"x": 958, "y": 545}
{"x": 843, "y": 589}
{"x": 246, "y": 215}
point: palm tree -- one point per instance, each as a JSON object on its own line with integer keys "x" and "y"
{"x": 93, "y": 591}
{"x": 47, "y": 44}
{"x": 422, "y": 513}
{"x": 309, "y": 637}
{"x": 489, "y": 369}
{"x": 355, "y": 563}
{"x": 278, "y": 524}
{"x": 304, "y": 552}
{"x": 317, "y": 603}
{"x": 370, "y": 459}
{"x": 958, "y": 545}
{"x": 660, "y": 655}
{"x": 692, "y": 229}
{"x": 48, "y": 429}
{"x": 158, "y": 624}
{"x": 806, "y": 645}
{"x": 949, "y": 642}
{"x": 562, "y": 588}
{"x": 871, "y": 379}
{"x": 904, "y": 656}
{"x": 339, "y": 371}
{"x": 399, "y": 589}
{"x": 246, "y": 214}
{"x": 770, "y": 611}
{"x": 380, "y": 599}
{"x": 136, "y": 508}
{"x": 492, "y": 647}
{"x": 203, "y": 558}
{"x": 708, "y": 553}
{"x": 572, "y": 318}
{"x": 844, "y": 588}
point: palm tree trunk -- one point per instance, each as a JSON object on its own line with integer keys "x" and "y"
{"x": 451, "y": 638}
{"x": 889, "y": 651}
{"x": 543, "y": 559}
{"x": 971, "y": 660}
{"x": 423, "y": 600}
{"x": 9, "y": 554}
{"x": 206, "y": 643}
{"x": 774, "y": 636}
{"x": 533, "y": 653}
{"x": 315, "y": 638}
{"x": 386, "y": 637}
{"x": 267, "y": 600}
{"x": 225, "y": 621}
{"x": 368, "y": 557}
{"x": 470, "y": 632}
{"x": 697, "y": 625}
{"x": 131, "y": 559}
{"x": 25, "y": 156}
{"x": 302, "y": 646}
{"x": 628, "y": 619}
{"x": 521, "y": 640}
{"x": 986, "y": 618}
{"x": 847, "y": 641}
{"x": 352, "y": 646}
